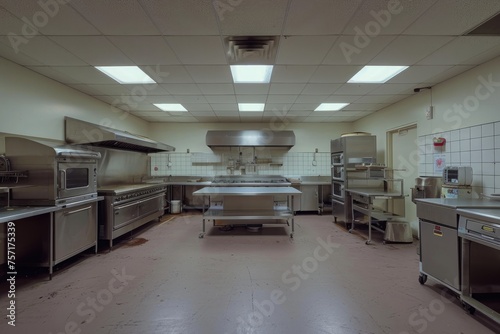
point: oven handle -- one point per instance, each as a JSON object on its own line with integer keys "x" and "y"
{"x": 62, "y": 179}
{"x": 79, "y": 210}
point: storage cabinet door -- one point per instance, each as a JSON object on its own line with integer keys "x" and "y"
{"x": 151, "y": 205}
{"x": 125, "y": 214}
{"x": 75, "y": 230}
{"x": 439, "y": 253}
{"x": 309, "y": 198}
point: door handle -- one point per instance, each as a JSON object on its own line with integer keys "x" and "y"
{"x": 78, "y": 210}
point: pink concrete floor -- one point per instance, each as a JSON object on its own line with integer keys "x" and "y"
{"x": 167, "y": 280}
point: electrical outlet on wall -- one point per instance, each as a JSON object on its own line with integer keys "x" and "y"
{"x": 429, "y": 112}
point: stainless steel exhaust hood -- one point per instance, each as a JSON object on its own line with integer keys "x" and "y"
{"x": 80, "y": 132}
{"x": 254, "y": 138}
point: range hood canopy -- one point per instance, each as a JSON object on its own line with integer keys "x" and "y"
{"x": 252, "y": 138}
{"x": 80, "y": 132}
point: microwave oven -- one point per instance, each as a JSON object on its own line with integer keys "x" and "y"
{"x": 458, "y": 175}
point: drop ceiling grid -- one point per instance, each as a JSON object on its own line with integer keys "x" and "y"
{"x": 187, "y": 55}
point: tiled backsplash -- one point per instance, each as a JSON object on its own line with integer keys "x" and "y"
{"x": 211, "y": 164}
{"x": 475, "y": 146}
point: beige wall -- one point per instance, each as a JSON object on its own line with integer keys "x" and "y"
{"x": 34, "y": 105}
{"x": 458, "y": 102}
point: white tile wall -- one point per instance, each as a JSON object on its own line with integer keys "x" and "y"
{"x": 288, "y": 164}
{"x": 476, "y": 146}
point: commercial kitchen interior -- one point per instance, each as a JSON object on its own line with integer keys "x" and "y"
{"x": 175, "y": 282}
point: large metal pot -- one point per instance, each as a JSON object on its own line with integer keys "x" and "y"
{"x": 427, "y": 187}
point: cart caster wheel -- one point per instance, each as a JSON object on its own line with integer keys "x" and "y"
{"x": 350, "y": 231}
{"x": 422, "y": 279}
{"x": 368, "y": 242}
{"x": 469, "y": 309}
{"x": 291, "y": 235}
{"x": 201, "y": 235}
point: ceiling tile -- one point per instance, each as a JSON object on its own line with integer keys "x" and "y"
{"x": 299, "y": 113}
{"x": 416, "y": 74}
{"x": 380, "y": 98}
{"x": 393, "y": 88}
{"x": 103, "y": 89}
{"x": 207, "y": 119}
{"x": 148, "y": 108}
{"x": 44, "y": 51}
{"x": 216, "y": 89}
{"x": 377, "y": 17}
{"x": 147, "y": 90}
{"x": 461, "y": 16}
{"x": 220, "y": 99}
{"x": 311, "y": 99}
{"x": 227, "y": 113}
{"x": 460, "y": 50}
{"x": 190, "y": 98}
{"x": 145, "y": 50}
{"x": 281, "y": 98}
{"x": 334, "y": 74}
{"x": 124, "y": 18}
{"x": 61, "y": 20}
{"x": 251, "y": 98}
{"x": 202, "y": 113}
{"x": 319, "y": 17}
{"x": 292, "y": 74}
{"x": 365, "y": 106}
{"x": 248, "y": 88}
{"x": 210, "y": 74}
{"x": 283, "y": 88}
{"x": 7, "y": 52}
{"x": 248, "y": 18}
{"x": 348, "y": 50}
{"x": 445, "y": 75}
{"x": 342, "y": 98}
{"x": 82, "y": 74}
{"x": 150, "y": 113}
{"x": 168, "y": 74}
{"x": 182, "y": 89}
{"x": 356, "y": 89}
{"x": 320, "y": 89}
{"x": 303, "y": 50}
{"x": 408, "y": 50}
{"x": 224, "y": 106}
{"x": 304, "y": 106}
{"x": 296, "y": 119}
{"x": 53, "y": 74}
{"x": 170, "y": 16}
{"x": 95, "y": 50}
{"x": 197, "y": 107}
{"x": 195, "y": 50}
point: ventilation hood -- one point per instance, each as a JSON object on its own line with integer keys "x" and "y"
{"x": 80, "y": 132}
{"x": 254, "y": 138}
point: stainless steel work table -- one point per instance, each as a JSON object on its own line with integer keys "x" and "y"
{"x": 230, "y": 211}
{"x": 16, "y": 213}
{"x": 365, "y": 197}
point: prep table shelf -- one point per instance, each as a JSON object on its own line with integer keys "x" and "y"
{"x": 240, "y": 205}
{"x": 362, "y": 200}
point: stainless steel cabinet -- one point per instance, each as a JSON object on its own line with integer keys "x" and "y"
{"x": 439, "y": 253}
{"x": 75, "y": 229}
{"x": 309, "y": 198}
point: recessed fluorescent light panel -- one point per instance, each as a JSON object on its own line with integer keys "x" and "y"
{"x": 251, "y": 106}
{"x": 251, "y": 73}
{"x": 170, "y": 106}
{"x": 376, "y": 74}
{"x": 126, "y": 74}
{"x": 330, "y": 106}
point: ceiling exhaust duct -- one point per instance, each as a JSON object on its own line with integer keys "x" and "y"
{"x": 80, "y": 132}
{"x": 250, "y": 138}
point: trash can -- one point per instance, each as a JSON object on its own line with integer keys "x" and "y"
{"x": 175, "y": 206}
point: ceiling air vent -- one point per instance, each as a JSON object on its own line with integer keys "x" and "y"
{"x": 255, "y": 50}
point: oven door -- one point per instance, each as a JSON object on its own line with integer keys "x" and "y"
{"x": 338, "y": 172}
{"x": 76, "y": 178}
{"x": 338, "y": 192}
{"x": 337, "y": 158}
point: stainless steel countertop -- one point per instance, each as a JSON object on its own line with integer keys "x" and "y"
{"x": 488, "y": 215}
{"x": 372, "y": 192}
{"x": 12, "y": 213}
{"x": 460, "y": 202}
{"x": 118, "y": 189}
{"x": 247, "y": 191}
{"x": 19, "y": 212}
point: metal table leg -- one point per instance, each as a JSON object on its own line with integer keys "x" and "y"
{"x": 51, "y": 245}
{"x": 202, "y": 234}
{"x": 293, "y": 220}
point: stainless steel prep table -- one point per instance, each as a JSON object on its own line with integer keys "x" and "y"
{"x": 229, "y": 212}
{"x": 440, "y": 255}
{"x": 17, "y": 213}
{"x": 366, "y": 197}
{"x": 479, "y": 230}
